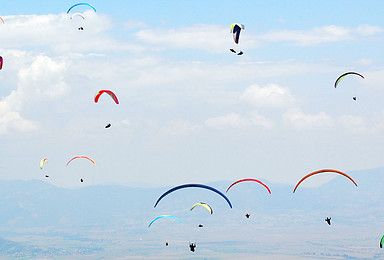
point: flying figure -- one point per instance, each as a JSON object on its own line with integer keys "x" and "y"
{"x": 232, "y": 50}
{"x": 328, "y": 220}
{"x": 200, "y": 225}
{"x": 166, "y": 243}
{"x": 240, "y": 53}
{"x": 192, "y": 246}
{"x": 354, "y": 98}
{"x": 81, "y": 180}
{"x": 81, "y": 29}
{"x": 247, "y": 215}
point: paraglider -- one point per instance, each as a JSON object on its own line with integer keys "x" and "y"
{"x": 235, "y": 30}
{"x": 321, "y": 171}
{"x": 1, "y": 62}
{"x": 163, "y": 216}
{"x": 200, "y": 225}
{"x": 166, "y": 243}
{"x": 382, "y": 242}
{"x": 328, "y": 220}
{"x": 1, "y": 19}
{"x": 346, "y": 74}
{"x": 247, "y": 215}
{"x": 42, "y": 163}
{"x": 108, "y": 126}
{"x": 86, "y": 4}
{"x": 254, "y": 180}
{"x": 78, "y": 14}
{"x": 205, "y": 205}
{"x": 113, "y": 96}
{"x": 192, "y": 246}
{"x": 190, "y": 186}
{"x": 85, "y": 157}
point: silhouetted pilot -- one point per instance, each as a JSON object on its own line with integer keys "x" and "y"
{"x": 192, "y": 246}
{"x": 247, "y": 215}
{"x": 328, "y": 220}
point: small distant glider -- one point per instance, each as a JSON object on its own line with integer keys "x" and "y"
{"x": 78, "y": 14}
{"x": 85, "y": 157}
{"x": 346, "y": 74}
{"x": 45, "y": 160}
{"x": 108, "y": 126}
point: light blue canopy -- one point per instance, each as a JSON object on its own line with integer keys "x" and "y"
{"x": 163, "y": 216}
{"x": 94, "y": 9}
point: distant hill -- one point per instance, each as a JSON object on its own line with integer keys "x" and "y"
{"x": 39, "y": 219}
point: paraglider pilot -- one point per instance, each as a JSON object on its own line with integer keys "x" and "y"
{"x": 192, "y": 246}
{"x": 328, "y": 220}
{"x": 247, "y": 215}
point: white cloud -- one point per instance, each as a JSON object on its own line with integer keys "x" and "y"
{"x": 233, "y": 120}
{"x": 319, "y": 35}
{"x": 302, "y": 121}
{"x": 57, "y": 32}
{"x": 206, "y": 37}
{"x": 354, "y": 124}
{"x": 179, "y": 127}
{"x": 271, "y": 95}
{"x": 43, "y": 79}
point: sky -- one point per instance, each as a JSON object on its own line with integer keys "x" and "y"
{"x": 190, "y": 111}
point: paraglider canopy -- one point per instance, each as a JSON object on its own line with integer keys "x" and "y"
{"x": 78, "y": 14}
{"x": 321, "y": 171}
{"x": 85, "y": 157}
{"x": 205, "y": 205}
{"x": 382, "y": 242}
{"x": 196, "y": 186}
{"x": 109, "y": 92}
{"x": 236, "y": 29}
{"x": 86, "y": 4}
{"x": 163, "y": 216}
{"x": 1, "y": 62}
{"x": 1, "y": 19}
{"x": 45, "y": 160}
{"x": 254, "y": 180}
{"x": 346, "y": 74}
